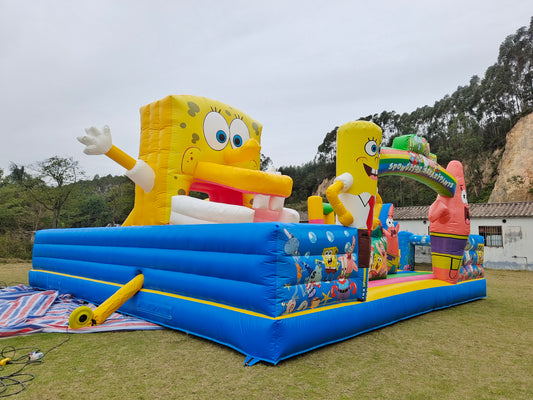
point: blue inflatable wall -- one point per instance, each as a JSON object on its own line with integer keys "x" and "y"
{"x": 255, "y": 272}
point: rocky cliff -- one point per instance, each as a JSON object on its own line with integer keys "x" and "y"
{"x": 515, "y": 177}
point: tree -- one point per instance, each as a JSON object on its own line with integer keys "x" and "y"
{"x": 327, "y": 151}
{"x": 120, "y": 201}
{"x": 18, "y": 173}
{"x": 53, "y": 184}
{"x": 266, "y": 162}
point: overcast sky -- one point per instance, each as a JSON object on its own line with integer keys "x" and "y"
{"x": 299, "y": 67}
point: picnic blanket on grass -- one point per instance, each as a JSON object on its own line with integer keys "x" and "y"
{"x": 25, "y": 310}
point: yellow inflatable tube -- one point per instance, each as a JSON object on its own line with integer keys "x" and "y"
{"x": 85, "y": 316}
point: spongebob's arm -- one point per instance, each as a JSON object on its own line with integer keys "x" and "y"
{"x": 342, "y": 183}
{"x": 98, "y": 141}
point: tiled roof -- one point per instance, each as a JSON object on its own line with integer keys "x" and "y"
{"x": 487, "y": 210}
{"x": 516, "y": 209}
{"x": 407, "y": 213}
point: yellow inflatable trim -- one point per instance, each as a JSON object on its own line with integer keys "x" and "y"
{"x": 374, "y": 293}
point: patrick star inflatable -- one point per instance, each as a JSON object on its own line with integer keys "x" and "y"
{"x": 449, "y": 228}
{"x": 390, "y": 231}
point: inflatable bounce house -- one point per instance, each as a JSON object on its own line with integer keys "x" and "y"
{"x": 239, "y": 268}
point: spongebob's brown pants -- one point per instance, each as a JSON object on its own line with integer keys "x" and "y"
{"x": 365, "y": 242}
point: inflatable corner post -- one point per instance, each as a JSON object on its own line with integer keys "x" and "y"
{"x": 353, "y": 193}
{"x": 449, "y": 228}
{"x": 319, "y": 212}
{"x": 191, "y": 143}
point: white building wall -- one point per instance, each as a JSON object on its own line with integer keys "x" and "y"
{"x": 516, "y": 252}
{"x": 418, "y": 227}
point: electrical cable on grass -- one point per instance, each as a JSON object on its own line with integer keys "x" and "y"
{"x": 14, "y": 382}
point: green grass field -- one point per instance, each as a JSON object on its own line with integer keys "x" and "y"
{"x": 479, "y": 350}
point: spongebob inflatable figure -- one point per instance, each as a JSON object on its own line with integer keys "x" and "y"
{"x": 353, "y": 193}
{"x": 191, "y": 143}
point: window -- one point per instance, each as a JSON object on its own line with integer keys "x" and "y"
{"x": 492, "y": 235}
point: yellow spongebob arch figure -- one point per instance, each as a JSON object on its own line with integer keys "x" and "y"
{"x": 194, "y": 143}
{"x": 353, "y": 193}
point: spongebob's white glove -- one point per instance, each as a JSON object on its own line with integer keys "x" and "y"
{"x": 347, "y": 181}
{"x": 96, "y": 141}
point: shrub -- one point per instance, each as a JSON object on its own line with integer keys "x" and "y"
{"x": 17, "y": 244}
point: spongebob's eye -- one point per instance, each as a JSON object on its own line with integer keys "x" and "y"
{"x": 237, "y": 141}
{"x": 221, "y": 136}
{"x": 371, "y": 148}
{"x": 216, "y": 130}
{"x": 463, "y": 197}
{"x": 239, "y": 133}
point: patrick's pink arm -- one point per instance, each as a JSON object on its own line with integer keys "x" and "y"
{"x": 438, "y": 211}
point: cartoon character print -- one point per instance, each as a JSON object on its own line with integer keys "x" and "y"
{"x": 330, "y": 261}
{"x": 312, "y": 283}
{"x": 419, "y": 145}
{"x": 472, "y": 267}
{"x": 378, "y": 269}
{"x": 342, "y": 289}
{"x": 313, "y": 292}
{"x": 413, "y": 158}
{"x": 466, "y": 272}
{"x": 291, "y": 304}
{"x": 432, "y": 166}
{"x": 348, "y": 264}
{"x": 292, "y": 248}
{"x": 391, "y": 234}
{"x": 480, "y": 253}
